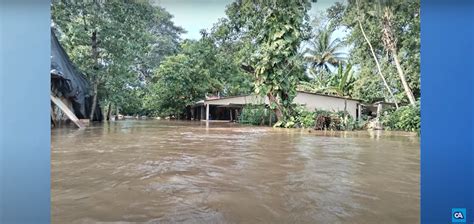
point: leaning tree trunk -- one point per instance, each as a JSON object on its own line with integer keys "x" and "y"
{"x": 390, "y": 44}
{"x": 378, "y": 65}
{"x": 95, "y": 56}
{"x": 407, "y": 89}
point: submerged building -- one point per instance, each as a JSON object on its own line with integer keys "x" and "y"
{"x": 69, "y": 87}
{"x": 229, "y": 108}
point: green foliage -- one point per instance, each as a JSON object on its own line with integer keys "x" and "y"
{"x": 179, "y": 83}
{"x": 406, "y": 27}
{"x": 202, "y": 67}
{"x": 143, "y": 66}
{"x": 333, "y": 120}
{"x": 277, "y": 29}
{"x": 369, "y": 87}
{"x": 300, "y": 118}
{"x": 406, "y": 118}
{"x": 325, "y": 51}
{"x": 256, "y": 115}
{"x": 304, "y": 118}
{"x": 340, "y": 83}
{"x": 132, "y": 37}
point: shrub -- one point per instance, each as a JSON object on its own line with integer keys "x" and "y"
{"x": 256, "y": 115}
{"x": 303, "y": 117}
{"x": 336, "y": 121}
{"x": 300, "y": 118}
{"x": 406, "y": 118}
{"x": 319, "y": 119}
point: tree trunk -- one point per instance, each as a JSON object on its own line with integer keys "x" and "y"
{"x": 109, "y": 112}
{"x": 94, "y": 103}
{"x": 407, "y": 89}
{"x": 95, "y": 56}
{"x": 390, "y": 43}
{"x": 378, "y": 65}
{"x": 278, "y": 111}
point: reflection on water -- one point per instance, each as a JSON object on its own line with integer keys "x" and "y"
{"x": 183, "y": 172}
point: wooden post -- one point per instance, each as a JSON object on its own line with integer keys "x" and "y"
{"x": 53, "y": 116}
{"x": 207, "y": 115}
{"x": 67, "y": 111}
{"x": 359, "y": 111}
{"x": 237, "y": 115}
{"x": 230, "y": 111}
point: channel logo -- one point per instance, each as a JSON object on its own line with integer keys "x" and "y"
{"x": 458, "y": 215}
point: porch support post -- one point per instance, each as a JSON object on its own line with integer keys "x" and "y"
{"x": 207, "y": 112}
{"x": 207, "y": 115}
{"x": 359, "y": 111}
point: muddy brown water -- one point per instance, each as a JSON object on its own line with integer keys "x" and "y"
{"x": 184, "y": 172}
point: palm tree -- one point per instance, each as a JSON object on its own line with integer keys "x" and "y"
{"x": 324, "y": 53}
{"x": 375, "y": 57}
{"x": 390, "y": 44}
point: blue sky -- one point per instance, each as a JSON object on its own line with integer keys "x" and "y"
{"x": 194, "y": 15}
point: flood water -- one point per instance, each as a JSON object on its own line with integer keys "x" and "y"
{"x": 182, "y": 172}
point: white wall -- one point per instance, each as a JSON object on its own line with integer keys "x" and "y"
{"x": 251, "y": 99}
{"x": 311, "y": 101}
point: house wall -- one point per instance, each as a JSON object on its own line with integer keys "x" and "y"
{"x": 310, "y": 101}
{"x": 313, "y": 101}
{"x": 251, "y": 99}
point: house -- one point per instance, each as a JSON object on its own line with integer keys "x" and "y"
{"x": 229, "y": 108}
{"x": 69, "y": 88}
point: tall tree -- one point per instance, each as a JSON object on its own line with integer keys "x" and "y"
{"x": 277, "y": 29}
{"x": 389, "y": 39}
{"x": 365, "y": 35}
{"x": 376, "y": 60}
{"x": 186, "y": 77}
{"x": 179, "y": 83}
{"x": 115, "y": 43}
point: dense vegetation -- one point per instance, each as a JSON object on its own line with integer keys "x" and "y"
{"x": 406, "y": 118}
{"x": 134, "y": 58}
